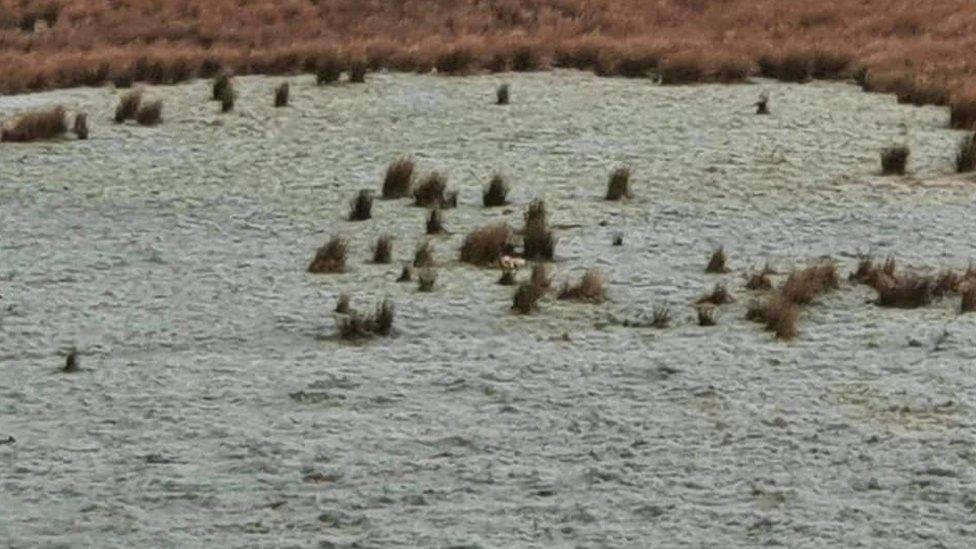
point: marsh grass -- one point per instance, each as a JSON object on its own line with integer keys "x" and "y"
{"x": 399, "y": 178}
{"x": 330, "y": 258}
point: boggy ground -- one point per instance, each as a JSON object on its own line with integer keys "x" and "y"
{"x": 215, "y": 406}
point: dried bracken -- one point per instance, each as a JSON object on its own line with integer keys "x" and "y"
{"x": 330, "y": 258}
{"x": 486, "y": 245}
{"x": 588, "y": 289}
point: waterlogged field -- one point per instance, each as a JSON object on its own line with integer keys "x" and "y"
{"x": 217, "y": 407}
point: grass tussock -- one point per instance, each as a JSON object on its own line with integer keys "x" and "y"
{"x": 220, "y": 86}
{"x": 762, "y": 106}
{"x": 962, "y": 112}
{"x": 507, "y": 278}
{"x": 870, "y": 273}
{"x": 501, "y": 95}
{"x": 424, "y": 256}
{"x": 357, "y": 326}
{"x": 706, "y": 315}
{"x": 966, "y": 153}
{"x": 968, "y": 303}
{"x": 150, "y": 113}
{"x": 281, "y": 94}
{"x": 718, "y": 296}
{"x": 36, "y": 126}
{"x": 802, "y": 287}
{"x": 399, "y": 178}
{"x": 435, "y": 222}
{"x": 904, "y": 292}
{"x": 780, "y": 316}
{"x": 526, "y": 298}
{"x": 426, "y": 279}
{"x": 759, "y": 281}
{"x": 361, "y": 207}
{"x": 538, "y": 239}
{"x": 227, "y": 98}
{"x": 618, "y": 187}
{"x": 486, "y": 245}
{"x": 618, "y": 239}
{"x": 496, "y": 194}
{"x": 718, "y": 262}
{"x": 330, "y": 258}
{"x": 432, "y": 192}
{"x": 357, "y": 71}
{"x": 589, "y": 289}
{"x": 661, "y": 317}
{"x": 80, "y": 128}
{"x": 406, "y": 275}
{"x": 894, "y": 160}
{"x": 343, "y": 304}
{"x": 946, "y": 282}
{"x": 541, "y": 277}
{"x": 128, "y": 105}
{"x": 383, "y": 250}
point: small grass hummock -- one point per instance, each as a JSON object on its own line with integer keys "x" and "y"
{"x": 968, "y": 303}
{"x": 497, "y": 193}
{"x": 399, "y": 178}
{"x": 426, "y": 279}
{"x": 780, "y": 316}
{"x": 589, "y": 289}
{"x": 801, "y": 287}
{"x": 227, "y": 98}
{"x": 717, "y": 263}
{"x": 357, "y": 71}
{"x": 328, "y": 69}
{"x": 356, "y": 326}
{"x": 150, "y": 113}
{"x": 361, "y": 207}
{"x": 661, "y": 316}
{"x": 406, "y": 275}
{"x": 432, "y": 192}
{"x": 966, "y": 154}
{"x": 618, "y": 239}
{"x": 871, "y": 274}
{"x": 342, "y": 304}
{"x": 618, "y": 187}
{"x": 501, "y": 95}
{"x": 424, "y": 256}
{"x": 330, "y": 258}
{"x": 719, "y": 296}
{"x": 538, "y": 241}
{"x": 762, "y": 106}
{"x": 904, "y": 292}
{"x": 128, "y": 105}
{"x": 80, "y": 128}
{"x": 894, "y": 160}
{"x": 946, "y": 282}
{"x": 526, "y": 298}
{"x": 36, "y": 125}
{"x": 435, "y": 222}
{"x": 706, "y": 315}
{"x": 72, "y": 363}
{"x": 759, "y": 281}
{"x": 281, "y": 94}
{"x": 383, "y": 250}
{"x": 220, "y": 86}
{"x": 486, "y": 245}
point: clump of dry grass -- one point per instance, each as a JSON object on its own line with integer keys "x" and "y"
{"x": 538, "y": 240}
{"x": 968, "y": 303}
{"x": 426, "y": 279}
{"x": 383, "y": 250}
{"x": 36, "y": 125}
{"x": 361, "y": 207}
{"x": 328, "y": 69}
{"x": 399, "y": 178}
{"x": 331, "y": 257}
{"x": 780, "y": 316}
{"x": 406, "y": 275}
{"x": 962, "y": 113}
{"x": 706, "y": 315}
{"x": 432, "y": 192}
{"x": 501, "y": 95}
{"x": 801, "y": 287}
{"x": 424, "y": 256}
{"x": 904, "y": 292}
{"x": 789, "y": 66}
{"x": 717, "y": 263}
{"x": 227, "y": 98}
{"x": 759, "y": 281}
{"x": 762, "y": 106}
{"x": 342, "y": 305}
{"x": 435, "y": 222}
{"x": 589, "y": 289}
{"x": 526, "y": 298}
{"x": 220, "y": 86}
{"x": 946, "y": 282}
{"x": 487, "y": 245}
{"x": 150, "y": 113}
{"x": 497, "y": 192}
{"x": 357, "y": 326}
{"x": 871, "y": 274}
{"x": 718, "y": 296}
{"x": 281, "y": 95}
{"x": 894, "y": 160}
{"x": 618, "y": 187}
{"x": 966, "y": 154}
{"x": 128, "y": 105}
{"x": 540, "y": 276}
{"x": 661, "y": 316}
{"x": 80, "y": 128}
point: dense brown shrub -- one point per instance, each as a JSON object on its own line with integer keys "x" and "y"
{"x": 432, "y": 192}
{"x": 383, "y": 250}
{"x": 330, "y": 258}
{"x": 399, "y": 178}
{"x": 342, "y": 305}
{"x": 424, "y": 256}
{"x": 894, "y": 160}
{"x": 281, "y": 95}
{"x": 128, "y": 105}
{"x": 966, "y": 154}
{"x": 80, "y": 128}
{"x": 501, "y": 95}
{"x": 426, "y": 279}
{"x": 904, "y": 292}
{"x": 618, "y": 187}
{"x": 487, "y": 245}
{"x": 361, "y": 207}
{"x": 356, "y": 326}
{"x": 968, "y": 303}
{"x": 589, "y": 288}
{"x": 435, "y": 222}
{"x": 717, "y": 263}
{"x": 36, "y": 125}
{"x": 718, "y": 296}
{"x": 150, "y": 113}
{"x": 497, "y": 193}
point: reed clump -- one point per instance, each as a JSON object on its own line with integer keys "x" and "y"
{"x": 497, "y": 193}
{"x": 357, "y": 326}
{"x": 128, "y": 105}
{"x": 383, "y": 250}
{"x": 487, "y": 245}
{"x": 361, "y": 207}
{"x": 618, "y": 188}
{"x": 330, "y": 258}
{"x": 589, "y": 289}
{"x": 894, "y": 160}
{"x": 36, "y": 125}
{"x": 150, "y": 113}
{"x": 399, "y": 178}
{"x": 281, "y": 95}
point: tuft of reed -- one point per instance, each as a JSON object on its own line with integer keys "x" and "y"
{"x": 872, "y": 274}
{"x": 538, "y": 240}
{"x": 383, "y": 250}
{"x": 72, "y": 363}
{"x": 356, "y": 326}
{"x": 399, "y": 178}
{"x": 706, "y": 315}
{"x": 357, "y": 71}
{"x": 406, "y": 275}
{"x": 128, "y": 105}
{"x": 759, "y": 281}
{"x": 801, "y": 287}
{"x": 589, "y": 289}
{"x": 150, "y": 113}
{"x": 894, "y": 160}
{"x": 780, "y": 316}
{"x": 227, "y": 97}
{"x": 717, "y": 263}
{"x": 426, "y": 279}
{"x": 497, "y": 193}
{"x": 501, "y": 95}
{"x": 904, "y": 292}
{"x": 220, "y": 86}
{"x": 361, "y": 207}
{"x": 342, "y": 305}
{"x": 331, "y": 257}
{"x": 36, "y": 125}
{"x": 618, "y": 187}
{"x": 718, "y": 296}
{"x": 432, "y": 192}
{"x": 80, "y": 128}
{"x": 281, "y": 95}
{"x": 424, "y": 256}
{"x": 966, "y": 154}
{"x": 526, "y": 298}
{"x": 486, "y": 245}
{"x": 435, "y": 222}
{"x": 946, "y": 282}
{"x": 661, "y": 316}
{"x": 968, "y": 303}
{"x": 756, "y": 311}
